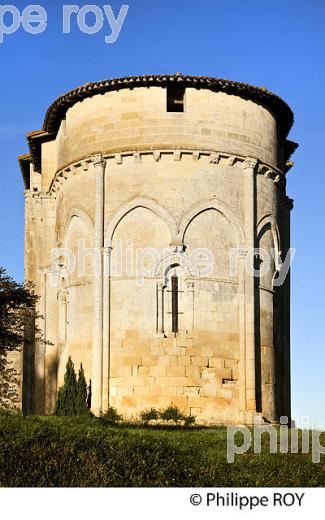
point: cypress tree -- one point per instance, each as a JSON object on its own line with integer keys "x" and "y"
{"x": 89, "y": 396}
{"x": 67, "y": 396}
{"x": 74, "y": 397}
{"x": 82, "y": 394}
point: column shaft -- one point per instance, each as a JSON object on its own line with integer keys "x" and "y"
{"x": 97, "y": 372}
{"x": 106, "y": 326}
{"x": 249, "y": 167}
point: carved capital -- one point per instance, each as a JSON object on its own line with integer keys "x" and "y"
{"x": 98, "y": 160}
{"x": 250, "y": 163}
{"x": 63, "y": 297}
{"x": 45, "y": 270}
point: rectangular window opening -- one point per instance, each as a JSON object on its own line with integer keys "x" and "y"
{"x": 174, "y": 304}
{"x": 175, "y": 99}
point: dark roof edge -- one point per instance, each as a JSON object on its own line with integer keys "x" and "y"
{"x": 24, "y": 163}
{"x": 35, "y": 141}
{"x": 262, "y": 96}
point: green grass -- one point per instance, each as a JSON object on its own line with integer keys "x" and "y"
{"x": 86, "y": 452}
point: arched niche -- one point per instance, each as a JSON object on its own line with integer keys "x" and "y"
{"x": 138, "y": 242}
{"x": 130, "y": 206}
{"x": 209, "y": 238}
{"x": 211, "y": 232}
{"x": 75, "y": 294}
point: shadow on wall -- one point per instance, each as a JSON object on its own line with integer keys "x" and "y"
{"x": 34, "y": 398}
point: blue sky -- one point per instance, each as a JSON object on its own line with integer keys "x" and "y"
{"x": 279, "y": 44}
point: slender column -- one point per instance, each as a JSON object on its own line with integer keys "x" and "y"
{"x": 249, "y": 168}
{"x": 160, "y": 308}
{"x": 63, "y": 298}
{"x": 242, "y": 328}
{"x": 189, "y": 323}
{"x": 97, "y": 372}
{"x": 106, "y": 325}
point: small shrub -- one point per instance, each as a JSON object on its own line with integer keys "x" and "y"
{"x": 189, "y": 420}
{"x": 111, "y": 415}
{"x": 171, "y": 413}
{"x": 149, "y": 415}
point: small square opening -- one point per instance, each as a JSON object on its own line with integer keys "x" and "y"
{"x": 175, "y": 99}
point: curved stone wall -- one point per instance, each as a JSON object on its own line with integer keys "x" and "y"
{"x": 182, "y": 195}
{"x": 138, "y": 120}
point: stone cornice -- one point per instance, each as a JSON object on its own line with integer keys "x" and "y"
{"x": 213, "y": 157}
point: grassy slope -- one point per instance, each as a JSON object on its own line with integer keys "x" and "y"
{"x": 78, "y": 452}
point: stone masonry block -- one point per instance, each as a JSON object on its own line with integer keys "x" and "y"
{"x": 201, "y": 361}
{"x": 177, "y": 371}
{"x": 183, "y": 360}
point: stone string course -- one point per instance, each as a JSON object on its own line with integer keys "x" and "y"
{"x": 216, "y": 158}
